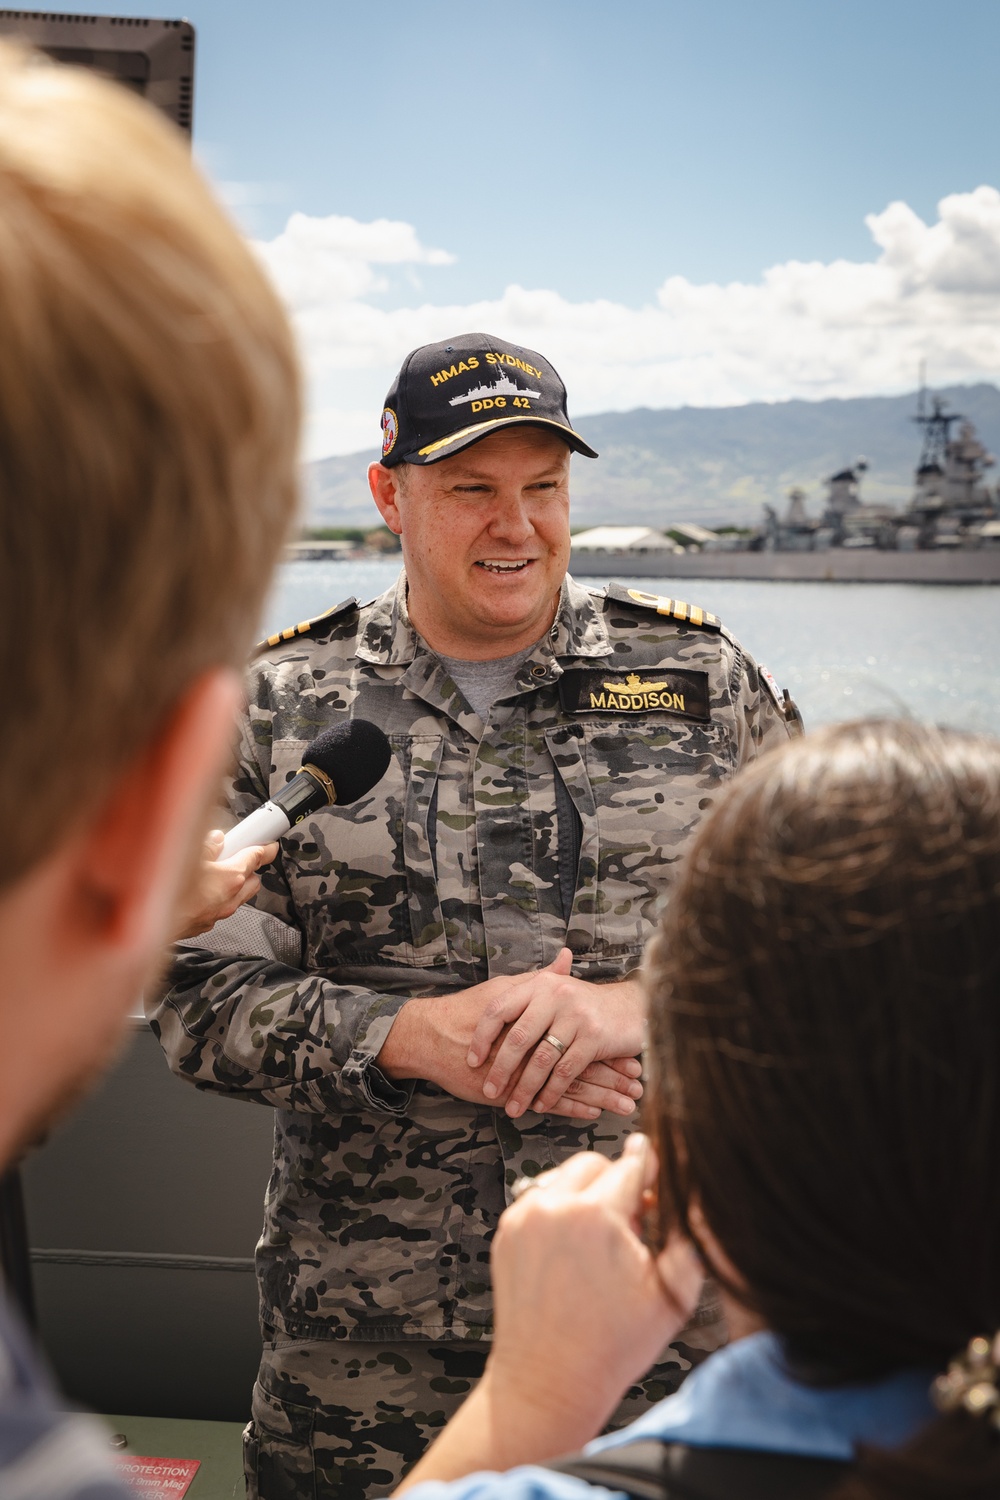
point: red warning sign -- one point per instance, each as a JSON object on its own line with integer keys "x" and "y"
{"x": 157, "y": 1477}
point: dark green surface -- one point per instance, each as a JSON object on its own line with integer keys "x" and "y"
{"x": 217, "y": 1444}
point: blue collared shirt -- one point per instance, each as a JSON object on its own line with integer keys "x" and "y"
{"x": 740, "y": 1397}
{"x": 46, "y": 1453}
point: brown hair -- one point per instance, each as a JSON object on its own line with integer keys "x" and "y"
{"x": 149, "y": 413}
{"x": 825, "y": 1027}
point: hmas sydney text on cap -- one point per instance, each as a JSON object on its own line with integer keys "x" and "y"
{"x": 450, "y": 395}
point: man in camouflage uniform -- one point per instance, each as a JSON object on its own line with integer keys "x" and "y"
{"x": 435, "y": 986}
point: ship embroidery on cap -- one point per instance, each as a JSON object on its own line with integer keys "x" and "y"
{"x": 502, "y": 386}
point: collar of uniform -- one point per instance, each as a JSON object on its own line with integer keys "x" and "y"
{"x": 577, "y": 631}
{"x": 427, "y": 678}
{"x": 580, "y": 629}
{"x": 389, "y": 640}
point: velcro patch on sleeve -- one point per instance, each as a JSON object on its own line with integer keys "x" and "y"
{"x": 772, "y": 687}
{"x": 653, "y": 691}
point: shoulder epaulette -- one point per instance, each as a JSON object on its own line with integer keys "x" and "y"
{"x": 306, "y": 627}
{"x": 673, "y": 609}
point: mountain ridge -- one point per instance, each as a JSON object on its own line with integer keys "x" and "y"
{"x": 715, "y": 465}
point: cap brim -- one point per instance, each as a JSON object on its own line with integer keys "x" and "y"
{"x": 466, "y": 436}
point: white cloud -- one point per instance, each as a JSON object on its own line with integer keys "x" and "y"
{"x": 806, "y": 329}
{"x": 324, "y": 265}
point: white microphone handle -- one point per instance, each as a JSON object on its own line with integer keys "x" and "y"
{"x": 263, "y": 826}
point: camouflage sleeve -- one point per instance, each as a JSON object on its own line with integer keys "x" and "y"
{"x": 240, "y": 1018}
{"x": 762, "y": 720}
{"x": 274, "y": 1034}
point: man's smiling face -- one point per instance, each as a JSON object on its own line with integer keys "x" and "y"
{"x": 485, "y": 539}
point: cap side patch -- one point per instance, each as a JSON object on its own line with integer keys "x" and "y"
{"x": 390, "y": 431}
{"x": 306, "y": 626}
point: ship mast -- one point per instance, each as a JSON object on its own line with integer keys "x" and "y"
{"x": 936, "y": 426}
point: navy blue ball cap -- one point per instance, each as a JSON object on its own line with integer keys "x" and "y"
{"x": 450, "y": 395}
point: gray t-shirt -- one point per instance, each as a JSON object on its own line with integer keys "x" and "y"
{"x": 484, "y": 683}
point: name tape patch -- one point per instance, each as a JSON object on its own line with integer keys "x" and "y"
{"x": 672, "y": 691}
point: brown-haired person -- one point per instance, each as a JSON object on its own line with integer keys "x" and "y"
{"x": 825, "y": 1087}
{"x": 148, "y": 425}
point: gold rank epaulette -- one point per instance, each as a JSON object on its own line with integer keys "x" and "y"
{"x": 306, "y": 627}
{"x": 673, "y": 609}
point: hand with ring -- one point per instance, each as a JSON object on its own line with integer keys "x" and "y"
{"x": 558, "y": 1027}
{"x": 525, "y": 1184}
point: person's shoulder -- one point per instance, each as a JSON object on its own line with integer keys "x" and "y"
{"x": 697, "y": 635}
{"x": 338, "y": 622}
{"x": 627, "y": 607}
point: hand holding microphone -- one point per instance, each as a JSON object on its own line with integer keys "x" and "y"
{"x": 338, "y": 767}
{"x": 221, "y": 887}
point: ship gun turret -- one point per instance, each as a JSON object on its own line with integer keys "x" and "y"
{"x": 952, "y": 506}
{"x": 849, "y": 521}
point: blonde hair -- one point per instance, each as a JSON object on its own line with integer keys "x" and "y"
{"x": 149, "y": 416}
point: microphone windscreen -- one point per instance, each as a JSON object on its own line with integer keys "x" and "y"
{"x": 354, "y": 754}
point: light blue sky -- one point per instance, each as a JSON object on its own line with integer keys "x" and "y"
{"x": 667, "y": 197}
{"x": 598, "y": 147}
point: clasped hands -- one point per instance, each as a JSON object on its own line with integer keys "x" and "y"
{"x": 488, "y": 1044}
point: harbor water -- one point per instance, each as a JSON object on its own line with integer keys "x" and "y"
{"x": 844, "y": 650}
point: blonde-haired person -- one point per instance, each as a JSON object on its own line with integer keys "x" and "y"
{"x": 825, "y": 1111}
{"x": 149, "y": 412}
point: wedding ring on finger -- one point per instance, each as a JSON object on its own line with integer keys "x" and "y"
{"x": 524, "y": 1184}
{"x": 554, "y": 1041}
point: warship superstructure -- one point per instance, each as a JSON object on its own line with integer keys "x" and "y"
{"x": 949, "y": 532}
{"x": 952, "y": 505}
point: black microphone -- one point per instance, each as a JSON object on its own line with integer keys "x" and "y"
{"x": 340, "y": 765}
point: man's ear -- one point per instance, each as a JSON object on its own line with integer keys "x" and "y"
{"x": 384, "y": 485}
{"x": 140, "y": 845}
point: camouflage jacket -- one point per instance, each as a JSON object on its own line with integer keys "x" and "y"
{"x": 383, "y": 1197}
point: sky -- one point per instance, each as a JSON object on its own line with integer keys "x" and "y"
{"x": 679, "y": 202}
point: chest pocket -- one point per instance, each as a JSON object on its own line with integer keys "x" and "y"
{"x": 420, "y": 758}
{"x": 639, "y": 791}
{"x": 566, "y": 747}
{"x": 363, "y": 878}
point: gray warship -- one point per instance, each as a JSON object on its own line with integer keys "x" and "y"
{"x": 949, "y": 532}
